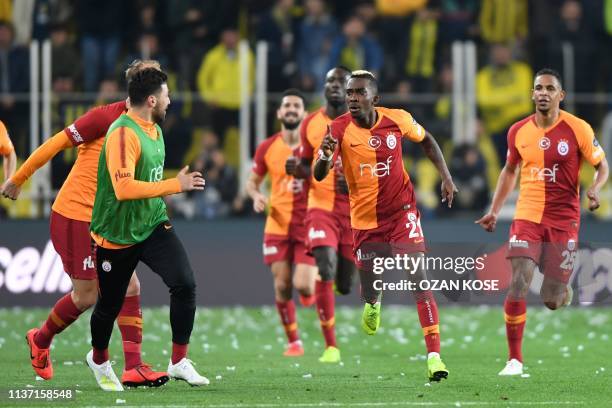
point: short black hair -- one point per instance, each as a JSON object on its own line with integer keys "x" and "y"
{"x": 343, "y": 68}
{"x": 294, "y": 92}
{"x": 551, "y": 72}
{"x": 145, "y": 83}
{"x": 366, "y": 75}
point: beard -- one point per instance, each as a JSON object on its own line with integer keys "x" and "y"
{"x": 290, "y": 125}
{"x": 159, "y": 116}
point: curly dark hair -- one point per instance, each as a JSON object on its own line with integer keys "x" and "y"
{"x": 145, "y": 83}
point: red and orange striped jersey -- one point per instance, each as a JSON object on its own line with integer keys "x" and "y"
{"x": 6, "y": 147}
{"x": 550, "y": 167}
{"x": 288, "y": 195}
{"x": 379, "y": 186}
{"x": 76, "y": 197}
{"x": 322, "y": 194}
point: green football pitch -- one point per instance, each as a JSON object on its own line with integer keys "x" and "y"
{"x": 567, "y": 358}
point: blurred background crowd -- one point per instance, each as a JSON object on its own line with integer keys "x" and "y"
{"x": 406, "y": 43}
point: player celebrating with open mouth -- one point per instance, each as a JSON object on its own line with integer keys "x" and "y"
{"x": 384, "y": 216}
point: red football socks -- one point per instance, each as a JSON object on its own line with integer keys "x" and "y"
{"x": 286, "y": 311}
{"x": 428, "y": 316}
{"x": 324, "y": 291}
{"x": 62, "y": 315}
{"x": 130, "y": 325}
{"x": 515, "y": 314}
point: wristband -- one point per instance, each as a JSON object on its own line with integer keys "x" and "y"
{"x": 323, "y": 157}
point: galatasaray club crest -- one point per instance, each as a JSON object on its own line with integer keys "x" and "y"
{"x": 563, "y": 147}
{"x": 391, "y": 140}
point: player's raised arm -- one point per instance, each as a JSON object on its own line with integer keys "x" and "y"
{"x": 433, "y": 152}
{"x": 326, "y": 155}
{"x": 601, "y": 177}
{"x": 252, "y": 187}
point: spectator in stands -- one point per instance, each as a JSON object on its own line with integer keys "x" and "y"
{"x": 420, "y": 54}
{"x": 101, "y": 25}
{"x": 503, "y": 21}
{"x": 502, "y": 94}
{"x": 218, "y": 82}
{"x": 65, "y": 60}
{"x": 355, "y": 49}
{"x": 221, "y": 183}
{"x": 458, "y": 20}
{"x": 189, "y": 23}
{"x": 14, "y": 79}
{"x": 470, "y": 176}
{"x": 317, "y": 31}
{"x": 577, "y": 28}
{"x": 148, "y": 47}
{"x": 278, "y": 27}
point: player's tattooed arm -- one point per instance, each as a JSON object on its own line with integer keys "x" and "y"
{"x": 252, "y": 188}
{"x": 433, "y": 152}
{"x": 326, "y": 153}
{"x": 601, "y": 177}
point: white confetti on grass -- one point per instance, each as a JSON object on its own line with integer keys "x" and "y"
{"x": 119, "y": 401}
{"x": 307, "y": 375}
{"x": 218, "y": 377}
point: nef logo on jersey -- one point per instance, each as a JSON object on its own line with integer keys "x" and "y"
{"x": 391, "y": 141}
{"x": 374, "y": 142}
{"x": 378, "y": 169}
{"x": 563, "y": 147}
{"x": 157, "y": 173}
{"x": 544, "y": 143}
{"x": 545, "y": 173}
{"x": 316, "y": 234}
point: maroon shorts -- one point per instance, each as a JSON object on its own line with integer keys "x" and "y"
{"x": 73, "y": 243}
{"x": 397, "y": 236}
{"x": 326, "y": 228}
{"x": 285, "y": 248}
{"x": 554, "y": 250}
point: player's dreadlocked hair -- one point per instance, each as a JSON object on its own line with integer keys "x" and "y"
{"x": 145, "y": 83}
{"x": 551, "y": 72}
{"x": 361, "y": 73}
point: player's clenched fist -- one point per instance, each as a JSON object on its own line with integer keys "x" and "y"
{"x": 190, "y": 181}
{"x": 10, "y": 190}
{"x": 291, "y": 165}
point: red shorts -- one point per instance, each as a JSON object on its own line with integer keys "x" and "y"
{"x": 398, "y": 236}
{"x": 326, "y": 228}
{"x": 554, "y": 250}
{"x": 73, "y": 243}
{"x": 289, "y": 247}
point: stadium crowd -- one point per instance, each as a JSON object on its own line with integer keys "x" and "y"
{"x": 406, "y": 43}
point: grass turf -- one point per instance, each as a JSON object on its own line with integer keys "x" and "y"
{"x": 240, "y": 350}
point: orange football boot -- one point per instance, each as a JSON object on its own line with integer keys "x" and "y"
{"x": 142, "y": 375}
{"x": 39, "y": 357}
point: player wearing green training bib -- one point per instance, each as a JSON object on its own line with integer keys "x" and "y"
{"x": 129, "y": 224}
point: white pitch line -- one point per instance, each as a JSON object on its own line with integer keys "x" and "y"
{"x": 363, "y": 404}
